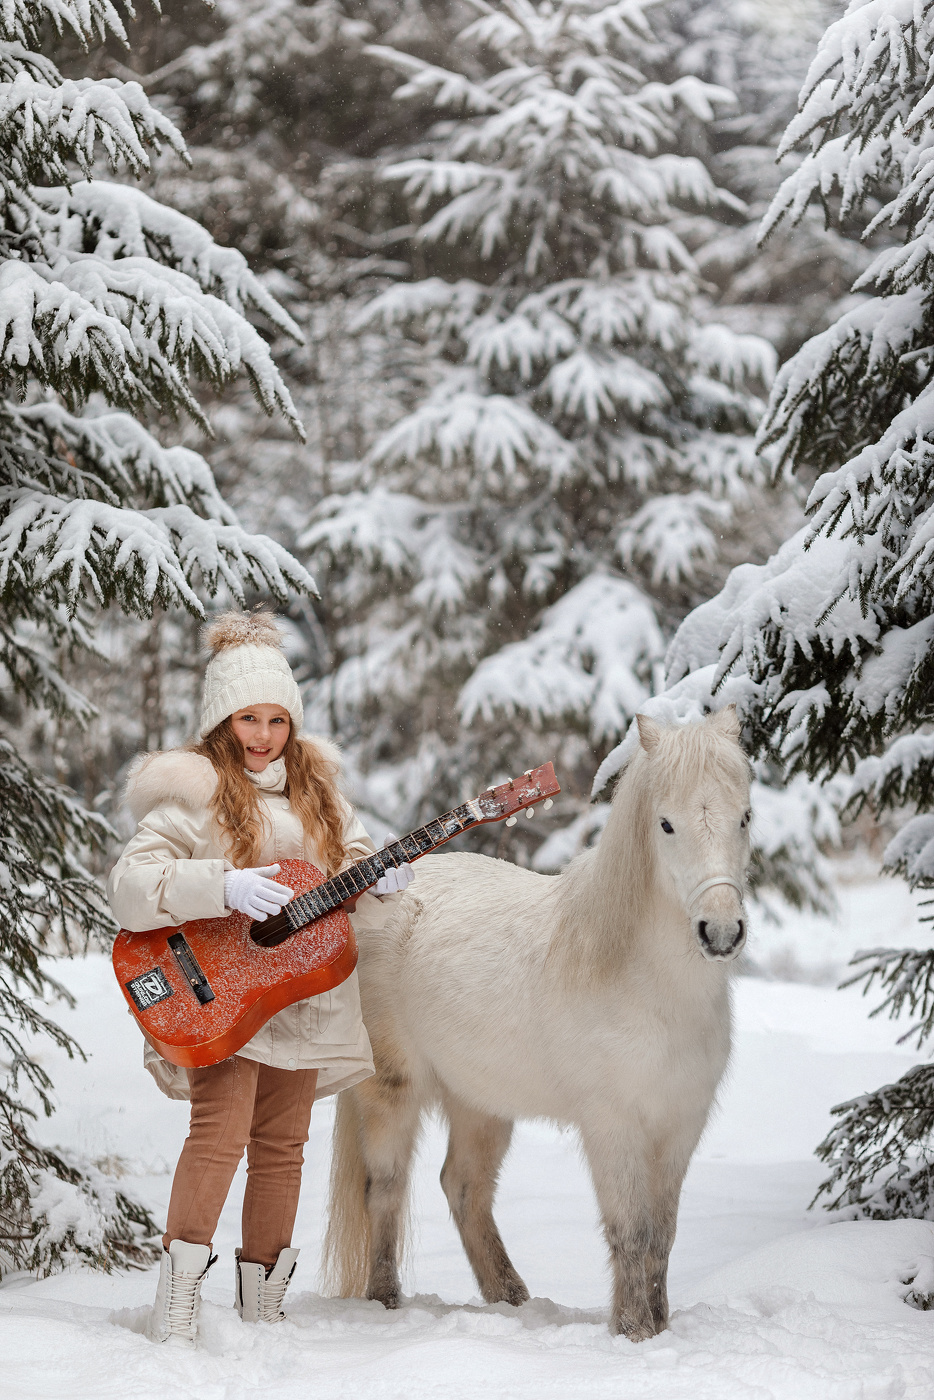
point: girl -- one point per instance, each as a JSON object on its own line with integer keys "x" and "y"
{"x": 214, "y": 821}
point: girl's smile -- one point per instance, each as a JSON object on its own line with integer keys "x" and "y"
{"x": 263, "y": 731}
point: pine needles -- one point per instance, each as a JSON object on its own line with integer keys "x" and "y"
{"x": 881, "y": 1152}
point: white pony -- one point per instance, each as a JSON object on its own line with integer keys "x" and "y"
{"x": 598, "y": 998}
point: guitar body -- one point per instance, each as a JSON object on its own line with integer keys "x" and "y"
{"x": 199, "y": 998}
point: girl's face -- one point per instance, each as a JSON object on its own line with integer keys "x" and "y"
{"x": 263, "y": 731}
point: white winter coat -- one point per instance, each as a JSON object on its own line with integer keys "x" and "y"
{"x": 172, "y": 870}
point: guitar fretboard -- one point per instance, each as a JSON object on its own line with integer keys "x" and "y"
{"x": 361, "y": 876}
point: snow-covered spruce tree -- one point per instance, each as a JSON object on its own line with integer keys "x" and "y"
{"x": 792, "y": 286}
{"x": 830, "y": 646}
{"x": 291, "y": 180}
{"x": 109, "y": 297}
{"x": 501, "y": 572}
{"x": 282, "y": 114}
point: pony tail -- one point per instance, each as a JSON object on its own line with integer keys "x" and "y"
{"x": 345, "y": 1261}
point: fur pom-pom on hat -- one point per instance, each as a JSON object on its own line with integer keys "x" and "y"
{"x": 247, "y": 668}
{"x": 234, "y": 629}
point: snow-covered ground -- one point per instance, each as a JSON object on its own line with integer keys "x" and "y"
{"x": 770, "y": 1302}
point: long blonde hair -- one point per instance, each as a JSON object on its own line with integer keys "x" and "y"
{"x": 311, "y": 788}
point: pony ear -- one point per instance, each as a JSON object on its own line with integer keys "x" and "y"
{"x": 726, "y": 721}
{"x": 649, "y": 733}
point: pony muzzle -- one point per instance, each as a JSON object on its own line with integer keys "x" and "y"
{"x": 720, "y": 936}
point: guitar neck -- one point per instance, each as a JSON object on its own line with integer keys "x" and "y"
{"x": 363, "y": 875}
{"x": 494, "y": 805}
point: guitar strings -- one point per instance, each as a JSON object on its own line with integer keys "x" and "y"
{"x": 330, "y": 894}
{"x": 363, "y": 874}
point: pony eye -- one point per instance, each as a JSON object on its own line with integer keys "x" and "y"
{"x": 667, "y": 827}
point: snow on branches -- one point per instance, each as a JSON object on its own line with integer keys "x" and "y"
{"x": 880, "y": 1150}
{"x": 130, "y": 329}
{"x": 104, "y": 297}
{"x": 49, "y": 124}
{"x": 899, "y": 776}
{"x": 838, "y": 630}
{"x": 590, "y": 659}
{"x": 23, "y": 21}
{"x": 600, "y": 290}
{"x": 79, "y": 548}
{"x": 120, "y": 221}
{"x": 911, "y": 853}
{"x": 53, "y": 1210}
{"x": 102, "y": 290}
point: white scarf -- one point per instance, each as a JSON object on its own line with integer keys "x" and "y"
{"x": 272, "y": 779}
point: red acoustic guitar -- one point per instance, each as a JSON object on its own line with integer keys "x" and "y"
{"x": 201, "y": 991}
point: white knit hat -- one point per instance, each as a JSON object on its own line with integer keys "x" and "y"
{"x": 247, "y": 668}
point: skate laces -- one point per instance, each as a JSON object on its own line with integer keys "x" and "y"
{"x": 183, "y": 1301}
{"x": 273, "y": 1294}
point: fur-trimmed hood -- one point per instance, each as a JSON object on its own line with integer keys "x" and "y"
{"x": 178, "y": 775}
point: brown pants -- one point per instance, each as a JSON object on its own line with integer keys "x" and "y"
{"x": 240, "y": 1103}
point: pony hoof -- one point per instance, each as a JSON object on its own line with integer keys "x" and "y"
{"x": 512, "y": 1291}
{"x": 389, "y": 1299}
{"x": 629, "y": 1327}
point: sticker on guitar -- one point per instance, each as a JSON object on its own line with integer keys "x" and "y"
{"x": 149, "y": 989}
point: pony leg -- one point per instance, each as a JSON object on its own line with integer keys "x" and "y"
{"x": 477, "y": 1145}
{"x": 667, "y": 1179}
{"x": 389, "y": 1117}
{"x": 665, "y": 1215}
{"x": 623, "y": 1194}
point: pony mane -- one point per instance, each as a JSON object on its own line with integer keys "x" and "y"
{"x": 606, "y": 892}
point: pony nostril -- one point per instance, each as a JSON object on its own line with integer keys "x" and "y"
{"x": 720, "y": 945}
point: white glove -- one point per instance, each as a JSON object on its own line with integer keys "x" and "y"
{"x": 253, "y": 893}
{"x": 395, "y": 880}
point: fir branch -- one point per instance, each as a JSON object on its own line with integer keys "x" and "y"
{"x": 910, "y": 853}
{"x": 23, "y": 21}
{"x": 119, "y": 221}
{"x": 907, "y": 977}
{"x": 49, "y": 126}
{"x": 55, "y": 1210}
{"x": 875, "y": 1149}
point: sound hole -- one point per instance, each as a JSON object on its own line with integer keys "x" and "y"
{"x": 271, "y": 932}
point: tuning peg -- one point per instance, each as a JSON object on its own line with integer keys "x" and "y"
{"x": 547, "y": 804}
{"x": 530, "y": 812}
{"x": 511, "y": 821}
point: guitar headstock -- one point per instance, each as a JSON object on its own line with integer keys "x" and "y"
{"x": 538, "y": 785}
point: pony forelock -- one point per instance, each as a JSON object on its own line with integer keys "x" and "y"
{"x": 691, "y": 755}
